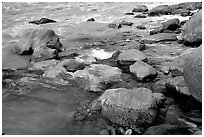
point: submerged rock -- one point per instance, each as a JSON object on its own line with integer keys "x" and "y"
{"x": 192, "y": 30}
{"x": 140, "y": 8}
{"x": 130, "y": 107}
{"x": 43, "y": 21}
{"x": 142, "y": 70}
{"x": 97, "y": 77}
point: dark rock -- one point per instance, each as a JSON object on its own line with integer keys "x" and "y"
{"x": 126, "y": 23}
{"x": 68, "y": 54}
{"x": 129, "y": 13}
{"x": 193, "y": 73}
{"x": 142, "y": 70}
{"x": 176, "y": 71}
{"x": 156, "y": 30}
{"x": 140, "y": 16}
{"x": 160, "y": 10}
{"x": 38, "y": 38}
{"x": 71, "y": 65}
{"x": 97, "y": 77}
{"x": 141, "y": 27}
{"x": 43, "y": 21}
{"x": 159, "y": 38}
{"x": 163, "y": 129}
{"x": 187, "y": 6}
{"x": 140, "y": 8}
{"x": 159, "y": 86}
{"x": 171, "y": 24}
{"x": 130, "y": 107}
{"x": 91, "y": 19}
{"x": 192, "y": 30}
{"x": 114, "y": 25}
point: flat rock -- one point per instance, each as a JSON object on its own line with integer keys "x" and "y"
{"x": 140, "y": 8}
{"x": 43, "y": 21}
{"x": 142, "y": 70}
{"x": 159, "y": 38}
{"x": 130, "y": 107}
{"x": 96, "y": 77}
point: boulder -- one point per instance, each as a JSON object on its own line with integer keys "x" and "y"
{"x": 171, "y": 24}
{"x": 160, "y": 10}
{"x": 140, "y": 16}
{"x": 178, "y": 85}
{"x": 114, "y": 25}
{"x": 140, "y": 8}
{"x": 187, "y": 6}
{"x": 126, "y": 107}
{"x": 97, "y": 77}
{"x": 192, "y": 30}
{"x": 129, "y": 57}
{"x": 72, "y": 65}
{"x": 159, "y": 38}
{"x": 126, "y": 23}
{"x": 43, "y": 21}
{"x": 192, "y": 73}
{"x": 141, "y": 27}
{"x": 38, "y": 38}
{"x": 142, "y": 70}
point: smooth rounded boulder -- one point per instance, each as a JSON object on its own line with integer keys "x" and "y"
{"x": 128, "y": 107}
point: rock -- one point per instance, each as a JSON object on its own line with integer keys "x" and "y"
{"x": 130, "y": 107}
{"x": 187, "y": 6}
{"x": 156, "y": 30}
{"x": 163, "y": 129}
{"x": 129, "y": 13}
{"x": 95, "y": 105}
{"x": 160, "y": 10}
{"x": 159, "y": 86}
{"x": 128, "y": 132}
{"x": 97, "y": 77}
{"x": 159, "y": 38}
{"x": 141, "y": 27}
{"x": 43, "y": 21}
{"x": 104, "y": 132}
{"x": 140, "y": 16}
{"x": 114, "y": 25}
{"x": 192, "y": 73}
{"x": 129, "y": 57}
{"x": 38, "y": 38}
{"x": 182, "y": 12}
{"x": 176, "y": 71}
{"x": 165, "y": 70}
{"x": 142, "y": 70}
{"x": 178, "y": 85}
{"x": 43, "y": 65}
{"x": 72, "y": 65}
{"x": 192, "y": 30}
{"x": 44, "y": 53}
{"x": 91, "y": 19}
{"x": 68, "y": 54}
{"x": 171, "y": 24}
{"x": 126, "y": 23}
{"x": 140, "y": 8}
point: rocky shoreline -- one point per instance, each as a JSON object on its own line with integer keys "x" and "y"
{"x": 143, "y": 79}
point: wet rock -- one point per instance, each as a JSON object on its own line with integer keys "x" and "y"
{"x": 44, "y": 53}
{"x": 72, "y": 65}
{"x": 43, "y": 21}
{"x": 129, "y": 13}
{"x": 129, "y": 57}
{"x": 97, "y": 77}
{"x": 163, "y": 129}
{"x": 142, "y": 70}
{"x": 126, "y": 23}
{"x": 141, "y": 27}
{"x": 91, "y": 20}
{"x": 159, "y": 38}
{"x": 130, "y": 107}
{"x": 193, "y": 74}
{"x": 36, "y": 39}
{"x": 178, "y": 85}
{"x": 160, "y": 10}
{"x": 140, "y": 16}
{"x": 114, "y": 25}
{"x": 140, "y": 8}
{"x": 43, "y": 65}
{"x": 171, "y": 24}
{"x": 192, "y": 30}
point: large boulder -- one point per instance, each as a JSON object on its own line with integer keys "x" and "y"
{"x": 159, "y": 38}
{"x": 140, "y": 8}
{"x": 129, "y": 57}
{"x": 142, "y": 70}
{"x": 97, "y": 77}
{"x": 171, "y": 24}
{"x": 38, "y": 38}
{"x": 126, "y": 107}
{"x": 160, "y": 10}
{"x": 192, "y": 73}
{"x": 42, "y": 21}
{"x": 187, "y": 6}
{"x": 192, "y": 30}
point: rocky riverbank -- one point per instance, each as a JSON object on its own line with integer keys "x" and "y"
{"x": 138, "y": 72}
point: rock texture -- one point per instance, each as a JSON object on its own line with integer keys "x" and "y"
{"x": 130, "y": 107}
